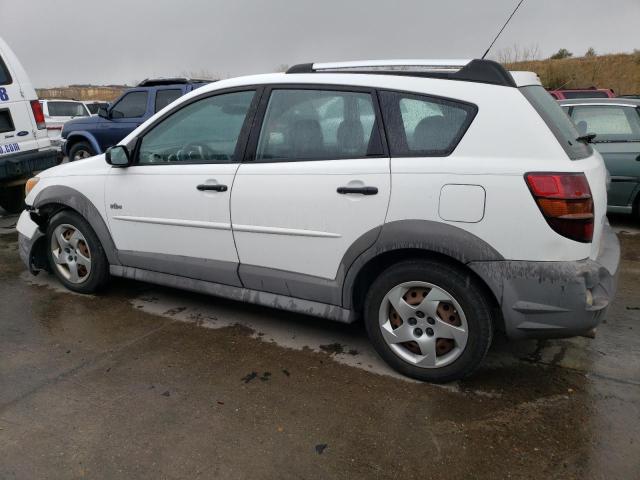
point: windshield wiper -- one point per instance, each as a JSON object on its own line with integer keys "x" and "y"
{"x": 586, "y": 138}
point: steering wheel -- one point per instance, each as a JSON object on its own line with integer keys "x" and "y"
{"x": 196, "y": 151}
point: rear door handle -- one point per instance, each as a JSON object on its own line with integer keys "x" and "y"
{"x": 358, "y": 190}
{"x": 212, "y": 187}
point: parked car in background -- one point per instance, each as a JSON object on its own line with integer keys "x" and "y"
{"x": 591, "y": 92}
{"x": 57, "y": 112}
{"x": 94, "y": 106}
{"x": 85, "y": 137}
{"x": 616, "y": 125}
{"x": 25, "y": 148}
{"x": 277, "y": 189}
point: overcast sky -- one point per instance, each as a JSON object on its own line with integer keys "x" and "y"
{"x": 63, "y": 42}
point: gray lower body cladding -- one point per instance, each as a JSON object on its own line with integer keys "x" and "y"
{"x": 550, "y": 299}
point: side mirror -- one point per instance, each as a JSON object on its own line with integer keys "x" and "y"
{"x": 103, "y": 112}
{"x": 118, "y": 156}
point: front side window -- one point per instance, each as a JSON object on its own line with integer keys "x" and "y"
{"x": 165, "y": 97}
{"x": 609, "y": 123}
{"x": 318, "y": 125}
{"x": 205, "y": 131}
{"x": 424, "y": 126}
{"x": 132, "y": 105}
{"x": 67, "y": 109}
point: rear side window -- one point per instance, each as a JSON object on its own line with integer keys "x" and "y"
{"x": 318, "y": 125}
{"x": 132, "y": 105}
{"x": 557, "y": 121}
{"x": 586, "y": 94}
{"x": 420, "y": 126}
{"x": 609, "y": 123}
{"x": 5, "y": 77}
{"x": 165, "y": 97}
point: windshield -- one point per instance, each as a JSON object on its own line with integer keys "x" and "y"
{"x": 67, "y": 109}
{"x": 5, "y": 78}
{"x": 585, "y": 94}
{"x": 557, "y": 121}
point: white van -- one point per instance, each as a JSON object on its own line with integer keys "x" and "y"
{"x": 25, "y": 147}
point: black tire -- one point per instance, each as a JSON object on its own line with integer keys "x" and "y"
{"x": 99, "y": 273}
{"x": 80, "y": 150}
{"x": 12, "y": 198}
{"x": 465, "y": 289}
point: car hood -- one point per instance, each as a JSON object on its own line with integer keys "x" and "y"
{"x": 88, "y": 166}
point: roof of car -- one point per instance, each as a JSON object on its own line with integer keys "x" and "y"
{"x": 601, "y": 101}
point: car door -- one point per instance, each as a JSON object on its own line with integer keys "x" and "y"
{"x": 169, "y": 211}
{"x": 315, "y": 182}
{"x": 124, "y": 116}
{"x": 617, "y": 129}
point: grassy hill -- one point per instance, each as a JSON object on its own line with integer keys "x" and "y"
{"x": 621, "y": 72}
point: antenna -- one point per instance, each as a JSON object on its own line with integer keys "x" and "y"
{"x": 503, "y": 27}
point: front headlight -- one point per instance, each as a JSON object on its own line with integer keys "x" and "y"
{"x": 32, "y": 182}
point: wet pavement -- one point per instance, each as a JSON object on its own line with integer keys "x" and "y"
{"x": 148, "y": 382}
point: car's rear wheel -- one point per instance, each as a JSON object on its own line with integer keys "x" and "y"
{"x": 429, "y": 320}
{"x": 75, "y": 253}
{"x": 12, "y": 198}
{"x": 80, "y": 151}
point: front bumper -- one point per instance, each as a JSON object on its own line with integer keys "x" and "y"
{"x": 551, "y": 299}
{"x": 29, "y": 235}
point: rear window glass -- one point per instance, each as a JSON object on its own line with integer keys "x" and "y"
{"x": 67, "y": 109}
{"x": 557, "y": 121}
{"x": 6, "y": 123}
{"x": 590, "y": 94}
{"x": 424, "y": 126}
{"x": 609, "y": 123}
{"x": 5, "y": 77}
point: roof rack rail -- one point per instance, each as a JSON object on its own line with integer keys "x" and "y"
{"x": 471, "y": 70}
{"x": 156, "y": 82}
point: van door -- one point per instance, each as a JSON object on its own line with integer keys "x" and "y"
{"x": 18, "y": 131}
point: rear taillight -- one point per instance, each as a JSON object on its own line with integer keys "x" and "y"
{"x": 565, "y": 201}
{"x": 38, "y": 115}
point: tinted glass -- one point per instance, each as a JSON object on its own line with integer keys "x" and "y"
{"x": 6, "y": 123}
{"x": 318, "y": 125}
{"x": 557, "y": 121}
{"x": 609, "y": 123}
{"x": 67, "y": 109}
{"x": 593, "y": 94}
{"x": 424, "y": 126}
{"x": 5, "y": 78}
{"x": 205, "y": 131}
{"x": 165, "y": 97}
{"x": 132, "y": 105}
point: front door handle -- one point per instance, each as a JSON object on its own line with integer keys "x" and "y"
{"x": 212, "y": 187}
{"x": 359, "y": 190}
{"x": 638, "y": 158}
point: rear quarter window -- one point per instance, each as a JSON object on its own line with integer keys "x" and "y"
{"x": 5, "y": 77}
{"x": 424, "y": 126}
{"x": 557, "y": 121}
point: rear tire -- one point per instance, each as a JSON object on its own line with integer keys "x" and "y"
{"x": 429, "y": 320}
{"x": 12, "y": 198}
{"x": 75, "y": 253}
{"x": 80, "y": 151}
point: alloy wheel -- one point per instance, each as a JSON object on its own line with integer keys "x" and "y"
{"x": 71, "y": 253}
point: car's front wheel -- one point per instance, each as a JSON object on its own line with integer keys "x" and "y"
{"x": 429, "y": 320}
{"x": 80, "y": 150}
{"x": 75, "y": 253}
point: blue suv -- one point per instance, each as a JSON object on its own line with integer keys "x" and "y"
{"x": 89, "y": 136}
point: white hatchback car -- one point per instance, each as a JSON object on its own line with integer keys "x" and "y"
{"x": 440, "y": 201}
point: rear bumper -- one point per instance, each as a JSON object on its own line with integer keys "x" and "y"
{"x": 24, "y": 164}
{"x": 550, "y": 299}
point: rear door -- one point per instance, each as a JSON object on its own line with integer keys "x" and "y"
{"x": 617, "y": 129}
{"x": 315, "y": 181}
{"x": 17, "y": 129}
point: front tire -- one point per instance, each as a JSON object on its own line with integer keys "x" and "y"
{"x": 429, "y": 320}
{"x": 80, "y": 151}
{"x": 75, "y": 253}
